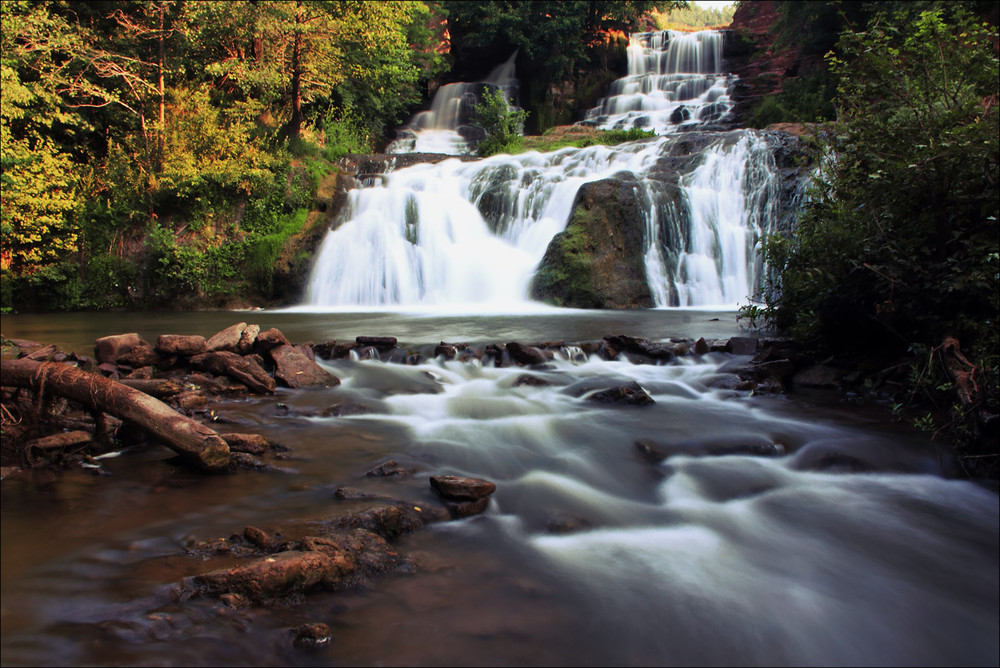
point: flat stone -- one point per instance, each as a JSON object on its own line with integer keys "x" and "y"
{"x": 182, "y": 345}
{"x": 295, "y": 369}
{"x": 460, "y": 488}
{"x": 227, "y": 340}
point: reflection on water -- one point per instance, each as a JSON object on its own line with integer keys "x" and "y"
{"x": 774, "y": 533}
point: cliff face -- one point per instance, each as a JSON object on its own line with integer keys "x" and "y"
{"x": 762, "y": 63}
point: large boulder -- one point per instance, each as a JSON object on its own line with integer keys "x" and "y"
{"x": 598, "y": 260}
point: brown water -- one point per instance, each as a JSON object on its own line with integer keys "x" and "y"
{"x": 708, "y": 558}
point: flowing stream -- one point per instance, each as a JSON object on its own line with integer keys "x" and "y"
{"x": 797, "y": 530}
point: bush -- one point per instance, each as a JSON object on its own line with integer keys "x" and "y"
{"x": 898, "y": 246}
{"x": 503, "y": 124}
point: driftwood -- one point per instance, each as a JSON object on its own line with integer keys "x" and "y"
{"x": 193, "y": 441}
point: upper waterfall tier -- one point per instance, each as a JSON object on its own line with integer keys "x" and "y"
{"x": 674, "y": 82}
{"x": 449, "y": 126}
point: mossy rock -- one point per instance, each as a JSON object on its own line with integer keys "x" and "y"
{"x": 598, "y": 260}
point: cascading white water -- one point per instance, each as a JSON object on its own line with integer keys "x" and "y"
{"x": 674, "y": 82}
{"x": 419, "y": 237}
{"x": 440, "y": 128}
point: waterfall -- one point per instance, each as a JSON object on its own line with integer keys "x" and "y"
{"x": 674, "y": 83}
{"x": 472, "y": 233}
{"x": 448, "y": 127}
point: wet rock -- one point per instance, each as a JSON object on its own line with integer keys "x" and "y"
{"x": 354, "y": 494}
{"x": 345, "y": 406}
{"x": 631, "y": 394}
{"x": 227, "y": 340}
{"x": 650, "y": 451}
{"x": 388, "y": 521}
{"x": 234, "y": 601}
{"x": 529, "y": 380}
{"x": 643, "y": 347}
{"x": 142, "y": 373}
{"x": 248, "y": 337}
{"x": 181, "y": 345}
{"x": 461, "y": 488}
{"x": 271, "y": 338}
{"x": 247, "y": 462}
{"x": 312, "y": 636}
{"x": 701, "y": 347}
{"x": 260, "y": 538}
{"x": 380, "y": 342}
{"x": 325, "y": 349}
{"x": 140, "y": 356}
{"x": 253, "y": 444}
{"x": 741, "y": 345}
{"x": 388, "y": 469}
{"x": 109, "y": 349}
{"x": 295, "y": 369}
{"x": 461, "y": 509}
{"x": 236, "y": 367}
{"x": 526, "y": 355}
{"x": 449, "y": 351}
{"x": 189, "y": 400}
{"x": 108, "y": 369}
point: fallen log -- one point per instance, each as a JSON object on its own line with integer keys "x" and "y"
{"x": 194, "y": 442}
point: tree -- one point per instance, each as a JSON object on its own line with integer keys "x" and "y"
{"x": 502, "y": 123}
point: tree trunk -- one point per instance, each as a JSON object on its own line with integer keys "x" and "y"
{"x": 193, "y": 441}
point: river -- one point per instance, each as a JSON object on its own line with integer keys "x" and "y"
{"x": 842, "y": 542}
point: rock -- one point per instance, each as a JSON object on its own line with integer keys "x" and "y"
{"x": 650, "y": 349}
{"x": 631, "y": 394}
{"x": 526, "y": 355}
{"x": 460, "y": 488}
{"x": 650, "y": 451}
{"x": 387, "y": 469}
{"x": 564, "y": 525}
{"x": 312, "y": 636}
{"x": 741, "y": 345}
{"x": 389, "y": 521}
{"x": 460, "y": 509}
{"x": 334, "y": 563}
{"x": 177, "y": 344}
{"x": 248, "y": 337}
{"x": 140, "y": 356}
{"x": 533, "y": 381}
{"x": 354, "y": 494}
{"x": 295, "y": 369}
{"x": 238, "y": 368}
{"x": 108, "y": 349}
{"x": 701, "y": 347}
{"x": 447, "y": 350}
{"x": 253, "y": 444}
{"x": 227, "y": 340}
{"x": 598, "y": 260}
{"x": 108, "y": 369}
{"x": 269, "y": 339}
{"x": 380, "y": 342}
{"x": 259, "y": 537}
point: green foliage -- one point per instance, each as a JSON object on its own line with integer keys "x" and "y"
{"x": 110, "y": 282}
{"x": 503, "y": 124}
{"x": 803, "y": 100}
{"x": 898, "y": 244}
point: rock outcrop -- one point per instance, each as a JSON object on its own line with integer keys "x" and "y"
{"x": 597, "y": 261}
